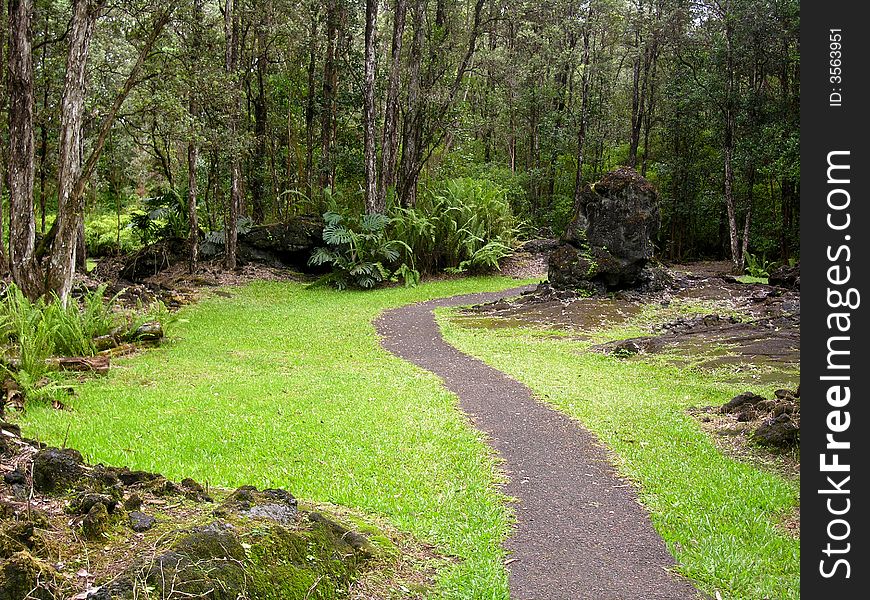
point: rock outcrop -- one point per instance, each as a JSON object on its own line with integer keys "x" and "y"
{"x": 279, "y": 245}
{"x": 91, "y": 532}
{"x": 608, "y": 243}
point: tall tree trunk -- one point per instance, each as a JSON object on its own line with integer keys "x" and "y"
{"x": 61, "y": 263}
{"x": 372, "y": 200}
{"x": 192, "y": 146}
{"x": 330, "y": 81}
{"x": 231, "y": 34}
{"x": 72, "y": 175}
{"x": 390, "y": 145}
{"x": 25, "y": 270}
{"x": 43, "y": 137}
{"x": 728, "y": 149}
{"x": 585, "y": 79}
{"x": 4, "y": 261}
{"x": 412, "y": 125}
{"x": 258, "y": 164}
{"x": 310, "y": 104}
{"x": 636, "y": 104}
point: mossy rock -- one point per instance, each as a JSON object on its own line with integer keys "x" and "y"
{"x": 23, "y": 576}
{"x": 56, "y": 471}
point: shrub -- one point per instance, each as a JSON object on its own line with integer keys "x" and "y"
{"x": 110, "y": 234}
{"x": 165, "y": 216}
{"x": 461, "y": 224}
{"x": 360, "y": 253}
{"x": 758, "y": 267}
{"x": 34, "y": 331}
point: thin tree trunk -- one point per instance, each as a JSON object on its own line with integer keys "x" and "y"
{"x": 231, "y": 30}
{"x": 61, "y": 263}
{"x": 330, "y": 81}
{"x": 373, "y": 203}
{"x": 4, "y": 261}
{"x": 310, "y": 103}
{"x": 390, "y": 147}
{"x": 25, "y": 270}
{"x": 411, "y": 128}
{"x": 728, "y": 150}
{"x": 72, "y": 176}
{"x": 192, "y": 147}
{"x": 585, "y": 79}
{"x": 257, "y": 172}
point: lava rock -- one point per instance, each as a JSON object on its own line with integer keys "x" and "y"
{"x": 154, "y": 258}
{"x": 194, "y": 491}
{"x": 56, "y": 470}
{"x": 151, "y": 331}
{"x": 786, "y": 276}
{"x": 24, "y": 576}
{"x": 780, "y": 432}
{"x": 626, "y": 348}
{"x": 140, "y": 522}
{"x": 96, "y": 523}
{"x": 608, "y": 241}
{"x": 84, "y": 503}
{"x": 15, "y": 477}
{"x": 133, "y": 502}
{"x": 741, "y": 402}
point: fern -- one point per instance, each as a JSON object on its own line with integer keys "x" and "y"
{"x": 360, "y": 253}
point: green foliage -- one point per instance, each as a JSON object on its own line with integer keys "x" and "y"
{"x": 110, "y": 234}
{"x": 461, "y": 224}
{"x": 214, "y": 241}
{"x": 165, "y": 216}
{"x": 360, "y": 253}
{"x": 64, "y": 330}
{"x": 34, "y": 331}
{"x": 758, "y": 267}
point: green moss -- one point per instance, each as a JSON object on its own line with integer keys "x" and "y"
{"x": 311, "y": 563}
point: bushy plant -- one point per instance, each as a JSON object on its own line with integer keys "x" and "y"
{"x": 460, "y": 224}
{"x": 34, "y": 331}
{"x": 164, "y": 216}
{"x": 758, "y": 266}
{"x": 110, "y": 234}
{"x": 360, "y": 253}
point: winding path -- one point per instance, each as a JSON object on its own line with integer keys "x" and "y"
{"x": 580, "y": 532}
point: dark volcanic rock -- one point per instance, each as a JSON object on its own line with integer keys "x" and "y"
{"x": 23, "y": 576}
{"x": 56, "y": 470}
{"x": 278, "y": 245}
{"x": 153, "y": 258}
{"x": 276, "y": 505}
{"x": 607, "y": 244}
{"x": 139, "y": 521}
{"x": 786, "y": 276}
{"x": 96, "y": 523}
{"x": 780, "y": 431}
{"x": 742, "y": 402}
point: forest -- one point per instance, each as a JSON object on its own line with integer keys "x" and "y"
{"x": 400, "y": 299}
{"x": 220, "y": 115}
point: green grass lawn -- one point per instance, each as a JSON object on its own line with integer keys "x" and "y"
{"x": 285, "y": 386}
{"x": 717, "y": 515}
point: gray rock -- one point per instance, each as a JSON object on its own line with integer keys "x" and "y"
{"x": 139, "y": 521}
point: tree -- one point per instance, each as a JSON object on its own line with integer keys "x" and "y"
{"x": 231, "y": 36}
{"x": 25, "y": 270}
{"x": 372, "y": 200}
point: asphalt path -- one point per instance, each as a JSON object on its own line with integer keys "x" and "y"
{"x": 580, "y": 532}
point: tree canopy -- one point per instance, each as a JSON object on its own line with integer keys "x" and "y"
{"x": 262, "y": 109}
